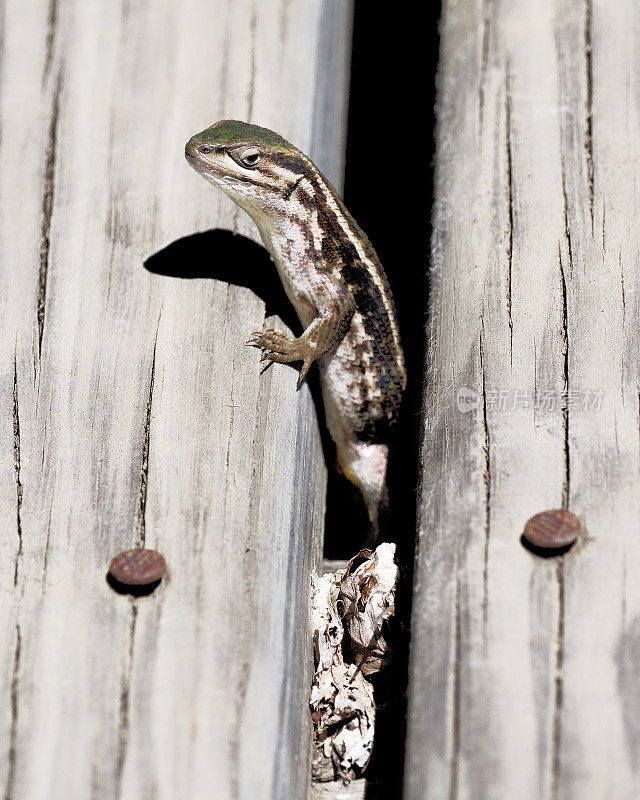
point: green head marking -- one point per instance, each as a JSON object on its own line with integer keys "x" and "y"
{"x": 230, "y": 132}
{"x": 255, "y": 166}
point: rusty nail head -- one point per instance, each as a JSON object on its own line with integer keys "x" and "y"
{"x": 138, "y": 567}
{"x": 552, "y": 530}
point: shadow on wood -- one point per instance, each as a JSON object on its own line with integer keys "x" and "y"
{"x": 224, "y": 256}
{"x": 229, "y": 257}
{"x": 134, "y": 591}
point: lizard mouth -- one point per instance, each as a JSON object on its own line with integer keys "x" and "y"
{"x": 199, "y": 165}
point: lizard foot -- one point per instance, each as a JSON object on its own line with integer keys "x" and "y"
{"x": 282, "y": 348}
{"x": 277, "y": 346}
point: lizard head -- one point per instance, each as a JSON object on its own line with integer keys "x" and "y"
{"x": 256, "y": 167}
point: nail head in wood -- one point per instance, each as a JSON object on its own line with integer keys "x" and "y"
{"x": 552, "y": 530}
{"x": 138, "y": 567}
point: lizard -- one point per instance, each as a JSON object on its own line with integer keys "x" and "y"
{"x": 334, "y": 279}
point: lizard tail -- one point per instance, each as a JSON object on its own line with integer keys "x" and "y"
{"x": 365, "y": 465}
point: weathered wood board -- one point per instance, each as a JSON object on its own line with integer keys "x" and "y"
{"x": 336, "y": 790}
{"x": 524, "y": 671}
{"x": 134, "y": 414}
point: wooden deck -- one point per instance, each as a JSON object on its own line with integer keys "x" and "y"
{"x": 524, "y": 671}
{"x": 135, "y": 415}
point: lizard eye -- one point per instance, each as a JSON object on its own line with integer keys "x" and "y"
{"x": 205, "y": 149}
{"x": 248, "y": 157}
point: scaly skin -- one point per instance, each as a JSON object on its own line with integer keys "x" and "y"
{"x": 336, "y": 283}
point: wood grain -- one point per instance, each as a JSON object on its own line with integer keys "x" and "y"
{"x": 336, "y": 790}
{"x": 134, "y": 414}
{"x": 524, "y": 670}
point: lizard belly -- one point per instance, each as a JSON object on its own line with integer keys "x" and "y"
{"x": 356, "y": 403}
{"x": 293, "y": 272}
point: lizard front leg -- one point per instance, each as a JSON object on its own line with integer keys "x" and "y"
{"x": 327, "y": 329}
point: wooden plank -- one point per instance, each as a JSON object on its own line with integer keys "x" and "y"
{"x": 524, "y": 670}
{"x": 336, "y": 790}
{"x": 134, "y": 414}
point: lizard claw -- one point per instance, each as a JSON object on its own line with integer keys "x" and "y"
{"x": 283, "y": 348}
{"x": 303, "y": 373}
{"x": 254, "y": 339}
{"x": 266, "y": 367}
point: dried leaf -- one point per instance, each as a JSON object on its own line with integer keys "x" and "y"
{"x": 368, "y": 596}
{"x": 342, "y": 699}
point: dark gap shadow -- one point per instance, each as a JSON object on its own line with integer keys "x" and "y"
{"x": 389, "y": 191}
